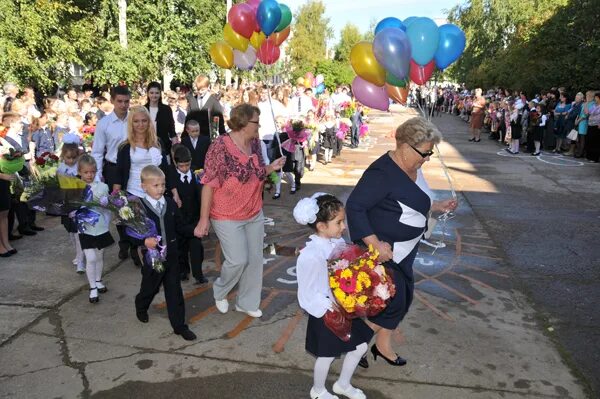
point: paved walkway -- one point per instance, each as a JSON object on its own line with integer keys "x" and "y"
{"x": 470, "y": 332}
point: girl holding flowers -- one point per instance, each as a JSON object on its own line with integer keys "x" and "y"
{"x": 325, "y": 214}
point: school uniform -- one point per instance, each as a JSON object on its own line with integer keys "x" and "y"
{"x": 190, "y": 247}
{"x": 198, "y": 148}
{"x": 97, "y": 236}
{"x": 316, "y": 298}
{"x": 168, "y": 223}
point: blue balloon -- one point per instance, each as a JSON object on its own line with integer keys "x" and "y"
{"x": 392, "y": 50}
{"x": 424, "y": 37}
{"x": 268, "y": 16}
{"x": 409, "y": 21}
{"x": 389, "y": 22}
{"x": 451, "y": 45}
{"x": 320, "y": 88}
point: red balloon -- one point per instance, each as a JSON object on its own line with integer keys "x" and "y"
{"x": 421, "y": 73}
{"x": 268, "y": 53}
{"x": 242, "y": 19}
{"x": 254, "y": 4}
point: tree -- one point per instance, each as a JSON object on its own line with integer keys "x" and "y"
{"x": 308, "y": 45}
{"x": 369, "y": 35}
{"x": 335, "y": 73}
{"x": 349, "y": 36}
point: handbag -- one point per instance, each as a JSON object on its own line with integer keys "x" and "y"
{"x": 572, "y": 135}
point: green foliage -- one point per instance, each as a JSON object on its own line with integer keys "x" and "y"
{"x": 335, "y": 73}
{"x": 529, "y": 44}
{"x": 308, "y": 45}
{"x": 349, "y": 36}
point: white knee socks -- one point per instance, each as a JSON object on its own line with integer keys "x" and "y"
{"x": 328, "y": 154}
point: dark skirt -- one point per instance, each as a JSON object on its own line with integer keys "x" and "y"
{"x": 321, "y": 342}
{"x": 4, "y": 195}
{"x": 69, "y": 224}
{"x": 329, "y": 139}
{"x": 538, "y": 133}
{"x": 592, "y": 143}
{"x": 398, "y": 307}
{"x": 96, "y": 242}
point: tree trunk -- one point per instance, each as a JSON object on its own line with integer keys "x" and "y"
{"x": 123, "y": 23}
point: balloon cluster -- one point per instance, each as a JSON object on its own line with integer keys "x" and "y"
{"x": 402, "y": 51}
{"x": 255, "y": 30}
{"x": 317, "y": 83}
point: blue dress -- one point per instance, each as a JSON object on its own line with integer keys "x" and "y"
{"x": 387, "y": 203}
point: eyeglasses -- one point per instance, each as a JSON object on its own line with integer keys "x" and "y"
{"x": 256, "y": 122}
{"x": 423, "y": 154}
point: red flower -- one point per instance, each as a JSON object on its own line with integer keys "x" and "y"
{"x": 348, "y": 285}
{"x": 54, "y": 157}
{"x": 40, "y": 161}
{"x": 44, "y": 154}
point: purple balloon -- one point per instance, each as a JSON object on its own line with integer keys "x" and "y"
{"x": 244, "y": 60}
{"x": 392, "y": 50}
{"x": 370, "y": 95}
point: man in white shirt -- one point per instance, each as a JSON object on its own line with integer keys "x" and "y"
{"x": 301, "y": 103}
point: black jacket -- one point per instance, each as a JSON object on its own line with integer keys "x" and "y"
{"x": 165, "y": 126}
{"x": 190, "y": 195}
{"x": 124, "y": 164}
{"x": 212, "y": 106}
{"x": 198, "y": 153}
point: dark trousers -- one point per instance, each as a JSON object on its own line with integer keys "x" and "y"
{"x": 151, "y": 281}
{"x": 337, "y": 150}
{"x": 191, "y": 249}
{"x": 354, "y": 139}
{"x": 24, "y": 215}
{"x": 110, "y": 173}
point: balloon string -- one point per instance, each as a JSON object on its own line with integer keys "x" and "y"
{"x": 274, "y": 120}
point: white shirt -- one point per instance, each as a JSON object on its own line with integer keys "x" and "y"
{"x": 64, "y": 169}
{"x": 267, "y": 128}
{"x": 153, "y": 113}
{"x": 300, "y": 105}
{"x": 140, "y": 158}
{"x": 182, "y": 176}
{"x": 153, "y": 202}
{"x": 194, "y": 141}
{"x": 314, "y": 294}
{"x": 110, "y": 132}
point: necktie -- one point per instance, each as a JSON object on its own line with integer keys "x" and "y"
{"x": 159, "y": 207}
{"x": 185, "y": 179}
{"x": 299, "y": 104}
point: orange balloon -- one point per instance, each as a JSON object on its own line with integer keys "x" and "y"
{"x": 398, "y": 94}
{"x": 365, "y": 64}
{"x": 222, "y": 54}
{"x": 279, "y": 37}
{"x": 234, "y": 39}
{"x": 257, "y": 39}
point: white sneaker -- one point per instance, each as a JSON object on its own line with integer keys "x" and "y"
{"x": 222, "y": 305}
{"x": 350, "y": 392}
{"x": 252, "y": 313}
{"x": 321, "y": 395}
{"x": 80, "y": 268}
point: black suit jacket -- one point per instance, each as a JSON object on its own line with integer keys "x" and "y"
{"x": 165, "y": 126}
{"x": 198, "y": 153}
{"x": 190, "y": 195}
{"x": 212, "y": 106}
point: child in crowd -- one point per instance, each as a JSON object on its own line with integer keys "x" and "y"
{"x": 165, "y": 215}
{"x": 43, "y": 137}
{"x": 540, "y": 128}
{"x": 68, "y": 167}
{"x": 325, "y": 214}
{"x": 328, "y": 131}
{"x": 313, "y": 141}
{"x": 187, "y": 192}
{"x": 293, "y": 169}
{"x": 340, "y": 136}
{"x": 516, "y": 128}
{"x": 197, "y": 144}
{"x": 96, "y": 237}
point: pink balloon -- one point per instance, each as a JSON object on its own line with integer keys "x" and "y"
{"x": 254, "y": 4}
{"x": 370, "y": 95}
{"x": 268, "y": 53}
{"x": 242, "y": 19}
{"x": 244, "y": 60}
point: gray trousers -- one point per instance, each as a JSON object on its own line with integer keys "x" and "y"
{"x": 242, "y": 245}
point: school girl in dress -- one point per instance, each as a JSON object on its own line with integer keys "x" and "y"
{"x": 325, "y": 214}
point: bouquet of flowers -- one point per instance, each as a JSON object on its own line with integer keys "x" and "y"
{"x": 87, "y": 136}
{"x": 347, "y": 109}
{"x": 363, "y": 130}
{"x": 11, "y": 161}
{"x": 344, "y": 128}
{"x": 297, "y": 133}
{"x": 360, "y": 285}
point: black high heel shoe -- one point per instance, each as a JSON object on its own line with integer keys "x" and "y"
{"x": 364, "y": 363}
{"x": 397, "y": 362}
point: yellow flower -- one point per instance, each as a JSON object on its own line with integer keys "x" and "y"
{"x": 359, "y": 286}
{"x": 362, "y": 299}
{"x": 333, "y": 283}
{"x": 346, "y": 273}
{"x": 339, "y": 295}
{"x": 349, "y": 303}
{"x": 363, "y": 279}
{"x": 371, "y": 264}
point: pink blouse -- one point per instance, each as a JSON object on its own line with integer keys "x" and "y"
{"x": 236, "y": 179}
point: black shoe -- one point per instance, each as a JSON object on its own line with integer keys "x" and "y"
{"x": 27, "y": 232}
{"x": 94, "y": 299}
{"x": 364, "y": 363}
{"x": 201, "y": 280}
{"x": 6, "y": 255}
{"x": 187, "y": 334}
{"x": 184, "y": 277}
{"x": 535, "y": 154}
{"x": 142, "y": 316}
{"x": 276, "y": 196}
{"x": 123, "y": 253}
{"x": 13, "y": 251}
{"x": 293, "y": 191}
{"x": 397, "y": 362}
{"x": 102, "y": 290}
{"x": 13, "y": 237}
{"x": 477, "y": 141}
{"x": 36, "y": 228}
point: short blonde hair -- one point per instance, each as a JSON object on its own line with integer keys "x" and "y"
{"x": 416, "y": 131}
{"x": 151, "y": 171}
{"x": 201, "y": 81}
{"x": 151, "y": 139}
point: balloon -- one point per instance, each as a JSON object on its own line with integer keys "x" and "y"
{"x": 257, "y": 39}
{"x": 319, "y": 79}
{"x": 365, "y": 65}
{"x": 393, "y": 51}
{"x": 244, "y": 61}
{"x": 222, "y": 54}
{"x": 320, "y": 88}
{"x": 393, "y": 81}
{"x": 451, "y": 45}
{"x": 421, "y": 73}
{"x": 268, "y": 53}
{"x": 242, "y": 19}
{"x": 309, "y": 75}
{"x": 389, "y": 22}
{"x": 236, "y": 40}
{"x": 370, "y": 95}
{"x": 309, "y": 79}
{"x": 300, "y": 81}
{"x": 268, "y": 16}
{"x": 398, "y": 94}
{"x": 254, "y": 4}
{"x": 308, "y": 83}
{"x": 286, "y": 18}
{"x": 279, "y": 37}
{"x": 424, "y": 37}
{"x": 409, "y": 21}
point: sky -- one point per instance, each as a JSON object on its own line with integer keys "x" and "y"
{"x": 361, "y": 12}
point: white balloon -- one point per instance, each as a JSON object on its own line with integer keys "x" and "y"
{"x": 244, "y": 60}
{"x": 320, "y": 79}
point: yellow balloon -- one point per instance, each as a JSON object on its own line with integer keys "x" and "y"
{"x": 257, "y": 39}
{"x": 234, "y": 39}
{"x": 300, "y": 81}
{"x": 365, "y": 64}
{"x": 222, "y": 54}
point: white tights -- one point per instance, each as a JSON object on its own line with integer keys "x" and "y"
{"x": 289, "y": 177}
{"x": 322, "y": 365}
{"x": 94, "y": 265}
{"x": 328, "y": 154}
{"x": 514, "y": 147}
{"x": 538, "y": 145}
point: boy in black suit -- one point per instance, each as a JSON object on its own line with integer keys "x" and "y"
{"x": 197, "y": 144}
{"x": 187, "y": 192}
{"x": 163, "y": 211}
